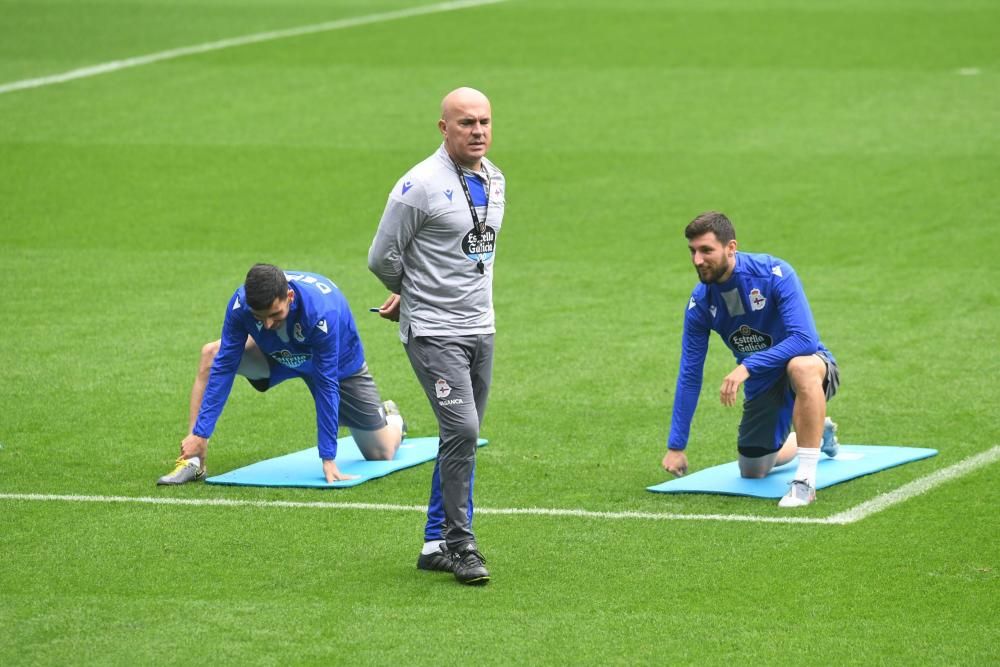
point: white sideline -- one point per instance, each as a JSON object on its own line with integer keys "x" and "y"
{"x": 115, "y": 65}
{"x": 852, "y": 515}
{"x": 916, "y": 487}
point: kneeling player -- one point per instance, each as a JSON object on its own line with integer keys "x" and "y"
{"x": 757, "y": 305}
{"x": 283, "y": 325}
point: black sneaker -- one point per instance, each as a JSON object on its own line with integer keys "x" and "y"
{"x": 470, "y": 566}
{"x": 439, "y": 561}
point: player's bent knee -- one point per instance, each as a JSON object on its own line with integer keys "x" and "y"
{"x": 805, "y": 371}
{"x": 209, "y": 350}
{"x": 208, "y": 353}
{"x": 378, "y": 445}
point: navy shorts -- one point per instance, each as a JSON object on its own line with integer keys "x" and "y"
{"x": 360, "y": 403}
{"x": 767, "y": 419}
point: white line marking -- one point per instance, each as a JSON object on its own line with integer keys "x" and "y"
{"x": 115, "y": 65}
{"x": 916, "y": 487}
{"x": 855, "y": 514}
{"x": 969, "y": 71}
{"x": 535, "y": 511}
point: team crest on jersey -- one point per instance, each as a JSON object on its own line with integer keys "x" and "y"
{"x": 757, "y": 300}
{"x": 747, "y": 341}
{"x": 441, "y": 388}
{"x": 290, "y": 359}
{"x": 479, "y": 247}
{"x": 297, "y": 332}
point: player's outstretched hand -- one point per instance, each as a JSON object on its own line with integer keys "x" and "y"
{"x": 390, "y": 309}
{"x": 333, "y": 473}
{"x": 675, "y": 462}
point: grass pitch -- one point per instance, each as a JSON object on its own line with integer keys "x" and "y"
{"x": 856, "y": 140}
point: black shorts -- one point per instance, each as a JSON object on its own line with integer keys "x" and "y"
{"x": 767, "y": 419}
{"x": 360, "y": 403}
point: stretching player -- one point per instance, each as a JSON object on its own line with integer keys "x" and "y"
{"x": 282, "y": 325}
{"x": 757, "y": 305}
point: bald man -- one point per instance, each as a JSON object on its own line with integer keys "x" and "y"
{"x": 434, "y": 251}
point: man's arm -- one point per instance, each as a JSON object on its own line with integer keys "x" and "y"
{"x": 797, "y": 317}
{"x": 326, "y": 393}
{"x": 694, "y": 348}
{"x": 400, "y": 221}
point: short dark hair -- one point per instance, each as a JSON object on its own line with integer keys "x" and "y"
{"x": 711, "y": 221}
{"x": 264, "y": 284}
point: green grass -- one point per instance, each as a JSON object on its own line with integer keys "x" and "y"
{"x": 839, "y": 136}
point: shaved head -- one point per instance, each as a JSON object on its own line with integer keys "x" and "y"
{"x": 461, "y": 97}
{"x": 466, "y": 126}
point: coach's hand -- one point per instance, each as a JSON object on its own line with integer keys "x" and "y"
{"x": 390, "y": 309}
{"x": 731, "y": 385}
{"x": 333, "y": 474}
{"x": 675, "y": 462}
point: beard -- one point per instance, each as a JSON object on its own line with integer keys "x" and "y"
{"x": 711, "y": 274}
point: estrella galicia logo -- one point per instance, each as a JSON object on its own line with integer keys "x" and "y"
{"x": 478, "y": 246}
{"x": 290, "y": 359}
{"x": 746, "y": 340}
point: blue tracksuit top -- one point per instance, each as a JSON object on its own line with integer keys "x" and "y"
{"x": 318, "y": 341}
{"x": 763, "y": 316}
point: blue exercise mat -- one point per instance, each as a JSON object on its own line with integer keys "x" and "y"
{"x": 852, "y": 461}
{"x": 305, "y": 469}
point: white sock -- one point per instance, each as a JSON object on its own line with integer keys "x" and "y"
{"x": 432, "y": 547}
{"x": 195, "y": 460}
{"x": 808, "y": 457}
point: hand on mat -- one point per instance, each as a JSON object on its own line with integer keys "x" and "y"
{"x": 731, "y": 385}
{"x": 333, "y": 474}
{"x": 390, "y": 309}
{"x": 675, "y": 462}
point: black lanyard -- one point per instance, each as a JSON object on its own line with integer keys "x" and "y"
{"x": 477, "y": 225}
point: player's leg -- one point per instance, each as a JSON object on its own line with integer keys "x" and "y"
{"x": 764, "y": 436}
{"x": 377, "y": 427}
{"x": 806, "y": 375}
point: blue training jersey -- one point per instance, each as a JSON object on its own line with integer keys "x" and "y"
{"x": 763, "y": 316}
{"x": 318, "y": 341}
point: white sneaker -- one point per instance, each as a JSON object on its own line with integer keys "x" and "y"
{"x": 799, "y": 494}
{"x": 830, "y": 446}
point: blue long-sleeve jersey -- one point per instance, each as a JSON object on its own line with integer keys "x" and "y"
{"x": 763, "y": 316}
{"x": 318, "y": 342}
